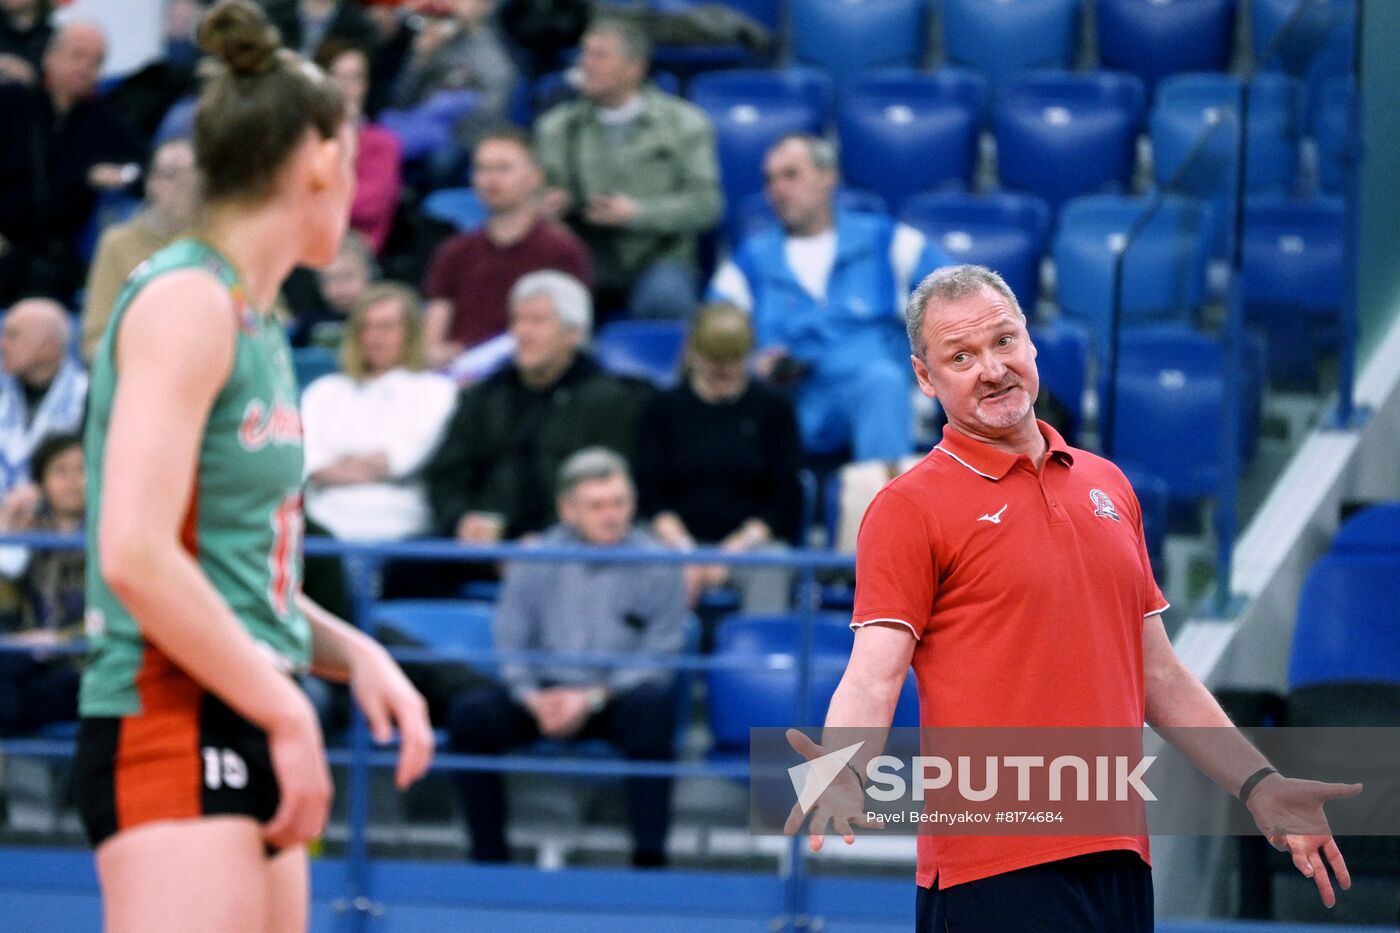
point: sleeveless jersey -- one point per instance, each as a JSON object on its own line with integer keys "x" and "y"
{"x": 243, "y": 520}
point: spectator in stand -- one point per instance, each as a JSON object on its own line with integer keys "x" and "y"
{"x": 60, "y": 146}
{"x": 458, "y": 49}
{"x": 472, "y": 273}
{"x": 321, "y": 299}
{"x": 572, "y": 608}
{"x": 717, "y": 461}
{"x": 826, "y": 289}
{"x": 306, "y": 24}
{"x": 493, "y": 475}
{"x": 42, "y": 389}
{"x": 172, "y": 195}
{"x": 633, "y": 171}
{"x": 542, "y": 31}
{"x": 392, "y": 48}
{"x": 144, "y": 97}
{"x": 35, "y": 690}
{"x": 370, "y": 428}
{"x": 24, "y": 34}
{"x": 379, "y": 156}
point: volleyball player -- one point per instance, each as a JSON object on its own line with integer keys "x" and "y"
{"x": 200, "y": 767}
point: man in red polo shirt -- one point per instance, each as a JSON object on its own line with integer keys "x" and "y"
{"x": 1010, "y": 570}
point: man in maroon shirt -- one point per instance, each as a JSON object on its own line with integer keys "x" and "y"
{"x": 472, "y": 273}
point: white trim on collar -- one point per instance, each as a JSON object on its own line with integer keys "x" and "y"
{"x": 974, "y": 469}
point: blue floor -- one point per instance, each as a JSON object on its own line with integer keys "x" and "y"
{"x": 44, "y": 889}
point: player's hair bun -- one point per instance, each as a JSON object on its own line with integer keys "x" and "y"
{"x": 238, "y": 33}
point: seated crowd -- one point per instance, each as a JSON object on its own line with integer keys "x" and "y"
{"x": 598, "y": 215}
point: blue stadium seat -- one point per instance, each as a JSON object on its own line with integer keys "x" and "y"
{"x": 1294, "y": 271}
{"x": 311, "y": 363}
{"x": 1319, "y": 45}
{"x": 1190, "y": 106}
{"x": 847, "y": 37}
{"x": 1329, "y": 116}
{"x": 648, "y": 350}
{"x": 443, "y": 624}
{"x": 1373, "y": 530}
{"x": 1062, "y": 135}
{"x": 752, "y": 110}
{"x": 1003, "y": 37}
{"x": 1348, "y": 627}
{"x": 1169, "y": 415}
{"x": 1170, "y": 407}
{"x": 744, "y": 698}
{"x": 755, "y": 213}
{"x": 460, "y": 207}
{"x": 1164, "y": 271}
{"x": 906, "y": 131}
{"x": 1153, "y": 497}
{"x": 1003, "y": 231}
{"x": 1156, "y": 38}
{"x": 1062, "y": 358}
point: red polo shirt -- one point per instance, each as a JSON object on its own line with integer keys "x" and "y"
{"x": 1026, "y": 592}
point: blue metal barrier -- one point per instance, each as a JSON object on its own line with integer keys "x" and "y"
{"x": 363, "y": 561}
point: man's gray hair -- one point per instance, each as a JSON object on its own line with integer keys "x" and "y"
{"x": 821, "y": 151}
{"x": 950, "y": 283}
{"x": 636, "y": 44}
{"x": 588, "y": 464}
{"x": 566, "y": 295}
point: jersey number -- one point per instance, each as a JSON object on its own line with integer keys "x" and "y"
{"x": 223, "y": 767}
{"x": 287, "y": 528}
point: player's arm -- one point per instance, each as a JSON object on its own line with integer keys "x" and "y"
{"x": 342, "y": 653}
{"x": 171, "y": 368}
{"x": 1191, "y": 719}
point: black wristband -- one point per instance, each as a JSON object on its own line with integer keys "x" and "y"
{"x": 857, "y": 774}
{"x": 1253, "y": 780}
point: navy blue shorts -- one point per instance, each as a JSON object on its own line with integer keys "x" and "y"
{"x": 1103, "y": 892}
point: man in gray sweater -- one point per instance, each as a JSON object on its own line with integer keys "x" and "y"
{"x": 617, "y": 608}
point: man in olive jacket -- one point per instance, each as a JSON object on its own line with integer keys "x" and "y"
{"x": 633, "y": 172}
{"x": 493, "y": 475}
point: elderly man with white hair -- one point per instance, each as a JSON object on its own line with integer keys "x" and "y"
{"x": 493, "y": 475}
{"x": 42, "y": 388}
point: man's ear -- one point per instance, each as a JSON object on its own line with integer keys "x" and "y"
{"x": 921, "y": 375}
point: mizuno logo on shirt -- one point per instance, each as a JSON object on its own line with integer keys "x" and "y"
{"x": 995, "y": 519}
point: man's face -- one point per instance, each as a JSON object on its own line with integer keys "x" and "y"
{"x": 798, "y": 190}
{"x": 542, "y": 341}
{"x": 343, "y": 280}
{"x": 600, "y": 510}
{"x": 170, "y": 186}
{"x": 74, "y": 62}
{"x": 28, "y": 343}
{"x": 608, "y": 72}
{"x": 504, "y": 175}
{"x": 980, "y": 364}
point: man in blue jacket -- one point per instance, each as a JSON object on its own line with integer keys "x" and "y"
{"x": 826, "y": 289}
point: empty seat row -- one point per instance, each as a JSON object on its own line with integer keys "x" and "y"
{"x": 1151, "y": 39}
{"x": 1059, "y": 135}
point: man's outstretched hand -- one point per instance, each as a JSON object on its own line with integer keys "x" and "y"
{"x": 842, "y": 803}
{"x": 1288, "y": 811}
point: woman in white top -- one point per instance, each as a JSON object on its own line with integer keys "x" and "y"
{"x": 369, "y": 428}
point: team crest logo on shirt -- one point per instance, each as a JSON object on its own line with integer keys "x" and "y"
{"x": 1103, "y": 505}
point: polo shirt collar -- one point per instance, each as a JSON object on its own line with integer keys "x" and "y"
{"x": 993, "y": 462}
